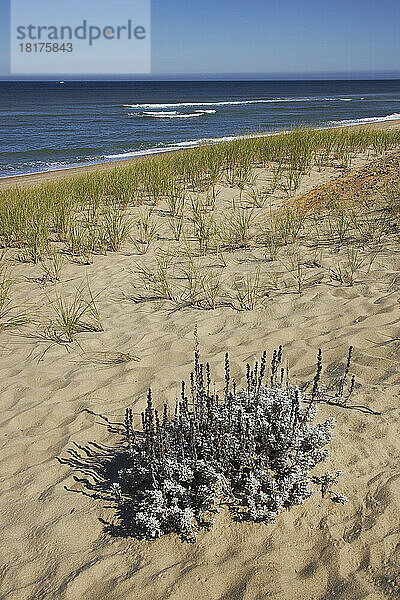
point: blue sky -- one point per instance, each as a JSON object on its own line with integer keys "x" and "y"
{"x": 265, "y": 36}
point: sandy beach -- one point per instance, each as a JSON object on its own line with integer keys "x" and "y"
{"x": 54, "y": 542}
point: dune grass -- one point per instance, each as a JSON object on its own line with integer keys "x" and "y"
{"x": 11, "y": 314}
{"x": 32, "y": 217}
{"x": 75, "y": 314}
{"x": 173, "y": 201}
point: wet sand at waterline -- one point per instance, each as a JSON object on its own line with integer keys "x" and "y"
{"x": 54, "y": 545}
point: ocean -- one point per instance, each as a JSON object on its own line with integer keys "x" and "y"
{"x": 50, "y": 125}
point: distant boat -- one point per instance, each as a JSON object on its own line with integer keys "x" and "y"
{"x": 61, "y": 82}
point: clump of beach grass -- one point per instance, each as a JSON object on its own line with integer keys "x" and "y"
{"x": 158, "y": 281}
{"x": 234, "y": 231}
{"x": 176, "y": 201}
{"x": 81, "y": 242}
{"x": 117, "y": 227}
{"x": 176, "y": 206}
{"x": 340, "y": 222}
{"x": 11, "y": 315}
{"x": 203, "y": 285}
{"x": 211, "y": 284}
{"x": 248, "y": 290}
{"x": 51, "y": 267}
{"x": 391, "y": 199}
{"x": 204, "y": 227}
{"x": 295, "y": 266}
{"x": 345, "y": 271}
{"x": 176, "y": 226}
{"x": 76, "y": 314}
{"x": 146, "y": 231}
{"x": 271, "y": 235}
{"x": 289, "y": 222}
{"x": 36, "y": 240}
{"x": 371, "y": 226}
{"x": 258, "y": 196}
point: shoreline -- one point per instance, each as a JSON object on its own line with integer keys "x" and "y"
{"x": 70, "y": 172}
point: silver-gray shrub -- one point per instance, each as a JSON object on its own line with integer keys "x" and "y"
{"x": 252, "y": 449}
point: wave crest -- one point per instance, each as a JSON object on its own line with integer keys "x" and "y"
{"x": 171, "y": 114}
{"x": 234, "y": 102}
{"x": 392, "y": 117}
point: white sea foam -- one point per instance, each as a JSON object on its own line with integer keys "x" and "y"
{"x": 172, "y": 147}
{"x": 147, "y": 152}
{"x": 233, "y": 102}
{"x": 392, "y": 117}
{"x": 158, "y": 114}
{"x": 171, "y": 114}
{"x": 177, "y": 116}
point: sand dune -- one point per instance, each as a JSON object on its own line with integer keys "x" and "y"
{"x": 53, "y": 542}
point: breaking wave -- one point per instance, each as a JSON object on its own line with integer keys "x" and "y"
{"x": 392, "y": 117}
{"x": 172, "y": 114}
{"x": 234, "y": 102}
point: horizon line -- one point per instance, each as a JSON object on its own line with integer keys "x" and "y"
{"x": 278, "y": 76}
